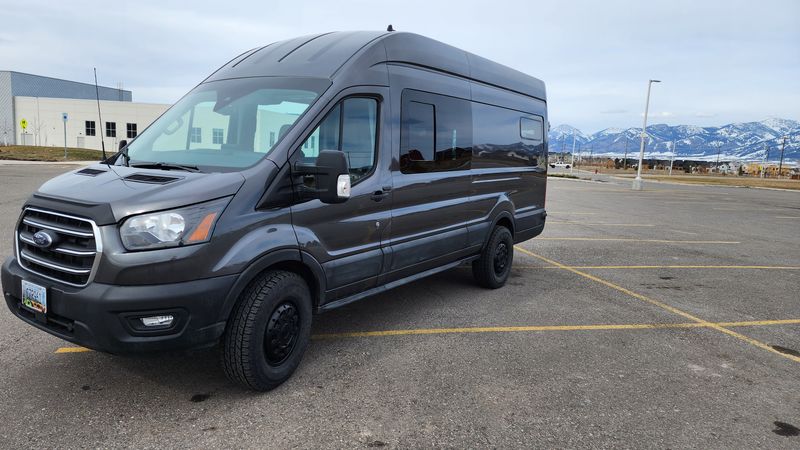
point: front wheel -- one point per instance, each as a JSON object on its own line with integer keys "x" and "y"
{"x": 493, "y": 266}
{"x": 268, "y": 331}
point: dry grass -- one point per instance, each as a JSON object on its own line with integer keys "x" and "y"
{"x": 729, "y": 180}
{"x": 31, "y": 153}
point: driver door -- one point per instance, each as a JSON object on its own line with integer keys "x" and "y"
{"x": 346, "y": 238}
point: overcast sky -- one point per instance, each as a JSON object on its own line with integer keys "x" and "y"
{"x": 720, "y": 61}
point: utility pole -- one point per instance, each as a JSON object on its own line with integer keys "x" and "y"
{"x": 625, "y": 160}
{"x": 672, "y": 160}
{"x": 780, "y": 165}
{"x": 766, "y": 160}
{"x": 719, "y": 147}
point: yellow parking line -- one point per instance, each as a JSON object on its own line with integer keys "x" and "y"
{"x": 72, "y": 350}
{"x": 600, "y": 327}
{"x": 661, "y": 241}
{"x": 572, "y": 222}
{"x": 664, "y": 306}
{"x": 668, "y": 267}
{"x": 787, "y": 217}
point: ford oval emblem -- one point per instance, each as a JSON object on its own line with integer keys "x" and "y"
{"x": 42, "y": 239}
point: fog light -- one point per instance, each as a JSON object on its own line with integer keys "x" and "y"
{"x": 157, "y": 321}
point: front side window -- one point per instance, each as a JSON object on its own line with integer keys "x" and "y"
{"x": 350, "y": 127}
{"x": 228, "y": 123}
{"x": 111, "y": 129}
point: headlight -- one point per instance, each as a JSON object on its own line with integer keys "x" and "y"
{"x": 183, "y": 226}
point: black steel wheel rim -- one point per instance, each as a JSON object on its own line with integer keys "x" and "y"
{"x": 281, "y": 334}
{"x": 500, "y": 258}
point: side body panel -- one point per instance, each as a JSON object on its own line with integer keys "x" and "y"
{"x": 509, "y": 172}
{"x": 430, "y": 210}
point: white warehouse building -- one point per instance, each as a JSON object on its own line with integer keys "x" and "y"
{"x": 41, "y": 103}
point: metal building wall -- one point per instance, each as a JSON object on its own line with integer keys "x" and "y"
{"x": 6, "y": 109}
{"x": 27, "y": 85}
{"x": 17, "y": 84}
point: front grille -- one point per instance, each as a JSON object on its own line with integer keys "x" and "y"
{"x": 71, "y": 256}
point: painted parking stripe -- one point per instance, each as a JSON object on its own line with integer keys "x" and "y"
{"x": 609, "y": 224}
{"x": 664, "y": 306}
{"x": 72, "y": 350}
{"x": 517, "y": 329}
{"x": 667, "y": 267}
{"x": 660, "y": 241}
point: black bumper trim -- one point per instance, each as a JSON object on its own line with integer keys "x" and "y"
{"x": 97, "y": 315}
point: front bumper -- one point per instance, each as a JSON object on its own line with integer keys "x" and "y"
{"x": 106, "y": 317}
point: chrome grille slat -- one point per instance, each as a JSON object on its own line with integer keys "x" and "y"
{"x": 47, "y": 226}
{"x": 64, "y": 250}
{"x": 75, "y": 251}
{"x": 42, "y": 262}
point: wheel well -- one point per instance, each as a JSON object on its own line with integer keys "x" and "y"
{"x": 302, "y": 270}
{"x": 506, "y": 222}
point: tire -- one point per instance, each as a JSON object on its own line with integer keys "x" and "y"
{"x": 277, "y": 303}
{"x": 493, "y": 266}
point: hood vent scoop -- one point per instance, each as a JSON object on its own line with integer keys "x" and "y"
{"x": 89, "y": 172}
{"x": 152, "y": 179}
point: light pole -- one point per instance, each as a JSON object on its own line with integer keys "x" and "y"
{"x": 672, "y": 159}
{"x": 637, "y": 182}
{"x": 719, "y": 147}
{"x": 572, "y": 164}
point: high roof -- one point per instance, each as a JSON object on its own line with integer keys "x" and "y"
{"x": 329, "y": 55}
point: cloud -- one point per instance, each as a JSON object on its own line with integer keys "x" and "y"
{"x": 614, "y": 111}
{"x": 658, "y": 114}
{"x": 704, "y": 115}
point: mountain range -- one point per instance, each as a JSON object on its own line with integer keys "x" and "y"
{"x": 739, "y": 141}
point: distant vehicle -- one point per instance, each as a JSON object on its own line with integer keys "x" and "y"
{"x": 299, "y": 177}
{"x": 560, "y": 165}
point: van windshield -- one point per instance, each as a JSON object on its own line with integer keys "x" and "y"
{"x": 226, "y": 124}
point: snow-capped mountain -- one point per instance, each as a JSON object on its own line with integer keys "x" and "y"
{"x": 747, "y": 141}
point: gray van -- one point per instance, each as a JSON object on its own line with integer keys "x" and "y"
{"x": 298, "y": 177}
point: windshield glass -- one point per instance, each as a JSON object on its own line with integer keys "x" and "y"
{"x": 228, "y": 123}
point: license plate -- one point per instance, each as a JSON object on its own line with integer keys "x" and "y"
{"x": 34, "y": 296}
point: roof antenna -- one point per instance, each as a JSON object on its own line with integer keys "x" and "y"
{"x": 97, "y": 94}
{"x": 390, "y": 28}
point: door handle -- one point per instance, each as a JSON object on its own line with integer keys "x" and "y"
{"x": 379, "y": 195}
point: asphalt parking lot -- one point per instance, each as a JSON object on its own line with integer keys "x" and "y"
{"x": 663, "y": 318}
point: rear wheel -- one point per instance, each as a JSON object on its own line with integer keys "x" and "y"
{"x": 268, "y": 331}
{"x": 492, "y": 268}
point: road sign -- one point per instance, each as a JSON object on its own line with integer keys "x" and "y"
{"x": 64, "y": 116}
{"x": 24, "y": 124}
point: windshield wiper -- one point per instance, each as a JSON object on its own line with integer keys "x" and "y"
{"x": 165, "y": 166}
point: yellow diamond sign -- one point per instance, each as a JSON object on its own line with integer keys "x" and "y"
{"x": 24, "y": 124}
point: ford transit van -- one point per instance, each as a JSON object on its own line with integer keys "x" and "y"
{"x": 299, "y": 177}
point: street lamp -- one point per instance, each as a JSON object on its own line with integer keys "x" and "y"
{"x": 637, "y": 182}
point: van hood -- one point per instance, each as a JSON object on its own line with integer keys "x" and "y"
{"x": 108, "y": 194}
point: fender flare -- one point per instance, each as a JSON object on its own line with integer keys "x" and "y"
{"x": 286, "y": 256}
{"x": 503, "y": 214}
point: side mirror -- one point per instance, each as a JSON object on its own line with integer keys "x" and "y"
{"x": 332, "y": 177}
{"x": 122, "y": 144}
